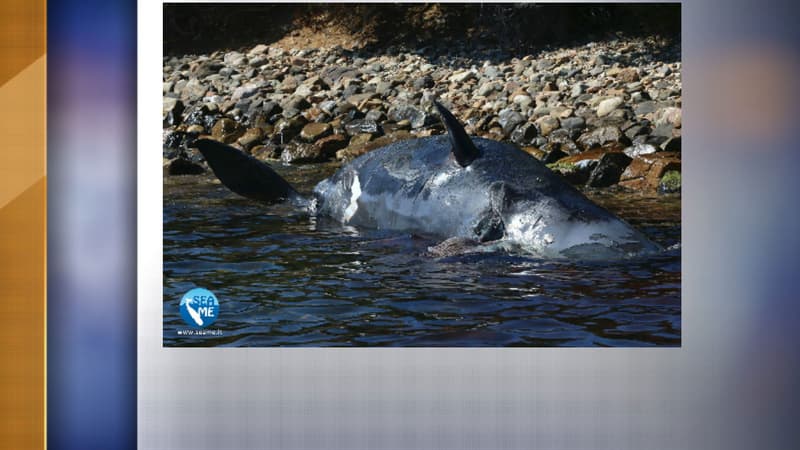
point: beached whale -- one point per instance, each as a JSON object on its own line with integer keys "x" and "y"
{"x": 451, "y": 187}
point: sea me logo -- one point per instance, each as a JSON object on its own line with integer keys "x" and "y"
{"x": 199, "y": 307}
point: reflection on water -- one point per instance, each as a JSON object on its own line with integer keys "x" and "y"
{"x": 283, "y": 278}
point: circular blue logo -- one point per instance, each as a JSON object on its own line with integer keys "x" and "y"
{"x": 199, "y": 307}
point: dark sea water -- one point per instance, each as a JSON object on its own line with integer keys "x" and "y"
{"x": 285, "y": 279}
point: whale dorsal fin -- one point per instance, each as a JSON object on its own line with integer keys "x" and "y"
{"x": 463, "y": 149}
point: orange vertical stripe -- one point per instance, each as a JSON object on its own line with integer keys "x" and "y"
{"x": 23, "y": 224}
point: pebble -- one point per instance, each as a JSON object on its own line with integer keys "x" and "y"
{"x": 547, "y": 125}
{"x": 227, "y": 130}
{"x": 313, "y": 131}
{"x": 573, "y": 123}
{"x": 509, "y": 119}
{"x": 608, "y": 105}
{"x": 601, "y": 136}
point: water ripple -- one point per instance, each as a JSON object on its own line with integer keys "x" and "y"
{"x": 284, "y": 279}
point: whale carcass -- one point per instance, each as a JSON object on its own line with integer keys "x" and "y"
{"x": 448, "y": 186}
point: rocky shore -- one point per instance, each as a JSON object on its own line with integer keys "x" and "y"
{"x": 602, "y": 114}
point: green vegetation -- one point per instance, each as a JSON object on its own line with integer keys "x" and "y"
{"x": 559, "y": 166}
{"x": 671, "y": 181}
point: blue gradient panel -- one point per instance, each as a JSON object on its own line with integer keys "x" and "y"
{"x": 91, "y": 224}
{"x": 743, "y": 113}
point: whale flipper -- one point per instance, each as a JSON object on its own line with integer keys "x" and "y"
{"x": 244, "y": 174}
{"x": 464, "y": 150}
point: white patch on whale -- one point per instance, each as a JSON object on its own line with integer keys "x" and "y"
{"x": 441, "y": 178}
{"x": 355, "y": 193}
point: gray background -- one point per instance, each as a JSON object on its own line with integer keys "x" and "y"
{"x": 730, "y": 386}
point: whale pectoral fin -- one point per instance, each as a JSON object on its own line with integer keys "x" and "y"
{"x": 244, "y": 174}
{"x": 464, "y": 150}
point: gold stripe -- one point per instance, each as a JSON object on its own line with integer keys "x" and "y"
{"x": 23, "y": 35}
{"x": 22, "y": 376}
{"x": 23, "y": 226}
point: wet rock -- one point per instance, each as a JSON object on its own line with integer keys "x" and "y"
{"x": 173, "y": 143}
{"x": 561, "y": 138}
{"x": 287, "y": 129}
{"x": 608, "y": 169}
{"x": 578, "y": 168}
{"x": 181, "y": 166}
{"x": 509, "y": 119}
{"x": 672, "y": 144}
{"x": 533, "y": 151}
{"x": 416, "y": 117}
{"x": 554, "y": 155}
{"x": 360, "y": 126}
{"x": 645, "y": 171}
{"x": 524, "y": 134}
{"x": 201, "y": 116}
{"x": 359, "y": 140}
{"x": 656, "y": 141}
{"x": 195, "y": 130}
{"x": 574, "y": 173}
{"x": 601, "y": 136}
{"x": 328, "y": 146}
{"x": 584, "y": 158}
{"x": 227, "y": 131}
{"x": 608, "y": 105}
{"x": 302, "y": 153}
{"x": 637, "y": 130}
{"x": 172, "y": 109}
{"x": 639, "y": 149}
{"x": 349, "y": 112}
{"x": 267, "y": 151}
{"x": 404, "y": 124}
{"x": 251, "y": 138}
{"x": 313, "y": 131}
